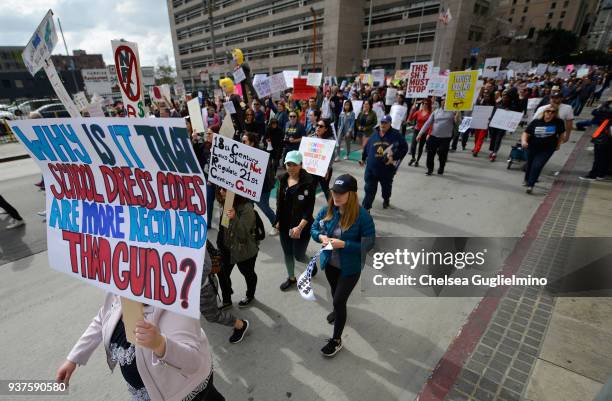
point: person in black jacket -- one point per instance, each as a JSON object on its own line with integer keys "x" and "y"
{"x": 252, "y": 125}
{"x": 294, "y": 207}
{"x": 274, "y": 141}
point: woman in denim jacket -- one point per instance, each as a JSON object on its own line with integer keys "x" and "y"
{"x": 349, "y": 229}
{"x": 346, "y": 128}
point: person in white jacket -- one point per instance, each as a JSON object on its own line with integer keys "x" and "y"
{"x": 171, "y": 360}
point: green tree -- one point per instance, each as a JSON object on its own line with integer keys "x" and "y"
{"x": 558, "y": 45}
{"x": 165, "y": 75}
{"x": 592, "y": 57}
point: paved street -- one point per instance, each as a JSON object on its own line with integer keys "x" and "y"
{"x": 391, "y": 344}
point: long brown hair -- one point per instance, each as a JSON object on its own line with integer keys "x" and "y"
{"x": 351, "y": 211}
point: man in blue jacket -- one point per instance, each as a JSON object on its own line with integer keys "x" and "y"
{"x": 382, "y": 155}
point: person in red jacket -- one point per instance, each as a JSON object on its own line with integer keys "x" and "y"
{"x": 420, "y": 116}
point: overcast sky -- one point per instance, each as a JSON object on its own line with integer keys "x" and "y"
{"x": 90, "y": 25}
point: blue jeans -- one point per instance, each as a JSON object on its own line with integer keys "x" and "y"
{"x": 536, "y": 159}
{"x": 264, "y": 205}
{"x": 371, "y": 187}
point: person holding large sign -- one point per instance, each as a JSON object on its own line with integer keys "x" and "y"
{"x": 496, "y": 134}
{"x": 162, "y": 338}
{"x": 294, "y": 207}
{"x": 442, "y": 123}
{"x": 541, "y": 138}
{"x": 381, "y": 156}
{"x": 349, "y": 229}
{"x": 238, "y": 246}
{"x": 420, "y": 117}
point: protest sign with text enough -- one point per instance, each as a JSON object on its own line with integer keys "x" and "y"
{"x": 126, "y": 204}
{"x": 127, "y": 67}
{"x": 461, "y": 90}
{"x": 317, "y": 154}
{"x": 418, "y": 79}
{"x": 237, "y": 167}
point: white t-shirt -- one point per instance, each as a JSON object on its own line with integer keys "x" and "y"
{"x": 565, "y": 112}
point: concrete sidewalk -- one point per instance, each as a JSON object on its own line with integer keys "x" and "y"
{"x": 533, "y": 346}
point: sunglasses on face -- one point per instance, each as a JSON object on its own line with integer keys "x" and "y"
{"x": 292, "y": 116}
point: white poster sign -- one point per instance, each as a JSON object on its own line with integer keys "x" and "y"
{"x": 465, "y": 124}
{"x": 40, "y": 45}
{"x": 195, "y": 116}
{"x": 418, "y": 79}
{"x": 398, "y": 115}
{"x": 437, "y": 85}
{"x": 532, "y": 103}
{"x": 289, "y": 76}
{"x": 229, "y": 107}
{"x": 491, "y": 66}
{"x": 390, "y": 96}
{"x": 94, "y": 109}
{"x": 317, "y": 154}
{"x": 481, "y": 116}
{"x": 262, "y": 87}
{"x": 238, "y": 167}
{"x": 109, "y": 232}
{"x": 278, "y": 83}
{"x": 541, "y": 69}
{"x": 239, "y": 75}
{"x": 314, "y": 78}
{"x": 80, "y": 100}
{"x": 506, "y": 120}
{"x": 378, "y": 77}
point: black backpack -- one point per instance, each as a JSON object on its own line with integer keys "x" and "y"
{"x": 260, "y": 230}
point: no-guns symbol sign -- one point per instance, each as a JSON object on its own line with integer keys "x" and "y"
{"x": 127, "y": 66}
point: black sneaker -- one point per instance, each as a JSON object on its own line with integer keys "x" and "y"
{"x": 440, "y": 171}
{"x": 331, "y": 348}
{"x": 386, "y": 204}
{"x": 411, "y": 162}
{"x": 529, "y": 190}
{"x": 428, "y": 173}
{"x": 245, "y": 302}
{"x": 287, "y": 284}
{"x": 331, "y": 318}
{"x": 225, "y": 305}
{"x": 315, "y": 270}
{"x": 416, "y": 163}
{"x": 238, "y": 334}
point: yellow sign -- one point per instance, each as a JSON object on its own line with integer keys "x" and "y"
{"x": 461, "y": 90}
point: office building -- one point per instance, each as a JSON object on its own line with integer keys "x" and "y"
{"x": 600, "y": 35}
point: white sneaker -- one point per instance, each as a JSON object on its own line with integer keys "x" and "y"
{"x": 43, "y": 213}
{"x": 346, "y": 157}
{"x": 337, "y": 159}
{"x": 273, "y": 232}
{"x": 15, "y": 224}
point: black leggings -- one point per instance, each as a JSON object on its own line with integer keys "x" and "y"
{"x": 341, "y": 288}
{"x": 246, "y": 267}
{"x": 413, "y": 146}
{"x": 210, "y": 393}
{"x": 9, "y": 209}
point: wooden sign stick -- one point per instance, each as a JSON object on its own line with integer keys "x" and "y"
{"x": 227, "y": 130}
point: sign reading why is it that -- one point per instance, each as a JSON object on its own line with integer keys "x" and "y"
{"x": 127, "y": 66}
{"x": 126, "y": 205}
{"x": 238, "y": 167}
{"x": 460, "y": 90}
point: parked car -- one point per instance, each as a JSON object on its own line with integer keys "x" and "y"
{"x": 54, "y": 110}
{"x": 30, "y": 105}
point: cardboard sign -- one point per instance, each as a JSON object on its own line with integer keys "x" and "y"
{"x": 541, "y": 69}
{"x": 378, "y": 77}
{"x": 262, "y": 87}
{"x": 229, "y": 107}
{"x": 94, "y": 109}
{"x": 237, "y": 167}
{"x": 40, "y": 45}
{"x": 506, "y": 120}
{"x": 398, "y": 115}
{"x": 302, "y": 91}
{"x": 314, "y": 79}
{"x": 60, "y": 90}
{"x": 127, "y": 67}
{"x": 461, "y": 90}
{"x": 390, "y": 96}
{"x": 465, "y": 124}
{"x": 481, "y": 116}
{"x": 437, "y": 85}
{"x": 317, "y": 154}
{"x": 401, "y": 75}
{"x": 136, "y": 223}
{"x": 491, "y": 66}
{"x": 532, "y": 103}
{"x": 278, "y": 83}
{"x": 289, "y": 77}
{"x": 418, "y": 79}
{"x": 239, "y": 75}
{"x": 195, "y": 116}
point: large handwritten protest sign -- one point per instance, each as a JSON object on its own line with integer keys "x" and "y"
{"x": 418, "y": 79}
{"x": 126, "y": 204}
{"x": 481, "y": 116}
{"x": 238, "y": 167}
{"x": 317, "y": 154}
{"x": 460, "y": 91}
{"x": 127, "y": 66}
{"x": 491, "y": 66}
{"x": 437, "y": 85}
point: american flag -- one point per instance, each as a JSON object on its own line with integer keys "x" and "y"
{"x": 445, "y": 16}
